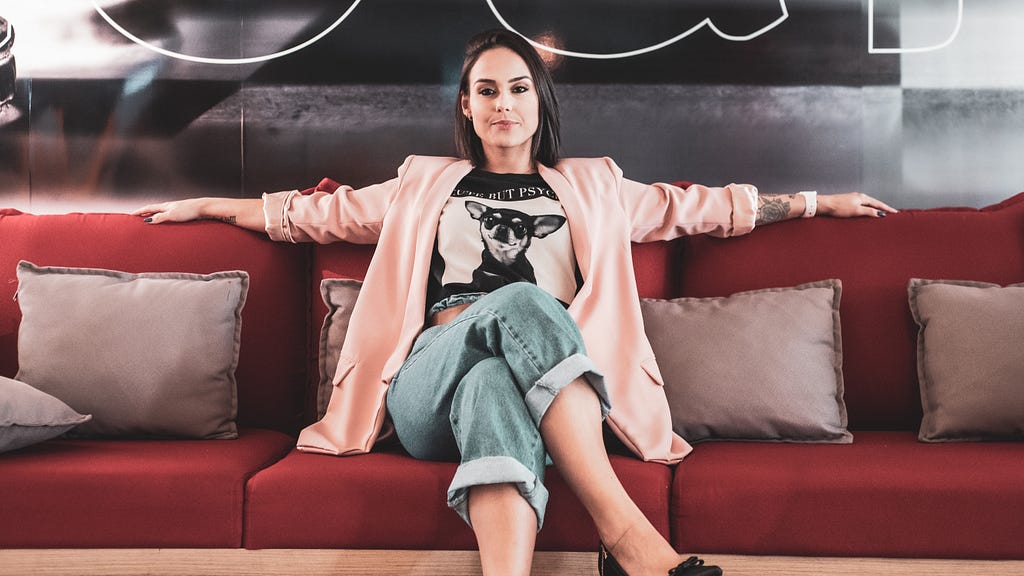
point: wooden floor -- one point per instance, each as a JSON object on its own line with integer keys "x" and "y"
{"x": 175, "y": 562}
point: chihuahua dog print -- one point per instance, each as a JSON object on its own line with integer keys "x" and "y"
{"x": 490, "y": 238}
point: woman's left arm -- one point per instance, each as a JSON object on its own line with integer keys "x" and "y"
{"x": 778, "y": 207}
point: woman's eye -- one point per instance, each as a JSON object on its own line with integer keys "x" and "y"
{"x": 486, "y": 92}
{"x": 520, "y": 89}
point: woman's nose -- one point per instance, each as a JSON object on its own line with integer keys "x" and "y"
{"x": 504, "y": 104}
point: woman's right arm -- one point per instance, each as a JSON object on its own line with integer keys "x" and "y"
{"x": 244, "y": 212}
{"x": 322, "y": 215}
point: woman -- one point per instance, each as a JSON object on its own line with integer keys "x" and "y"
{"x": 499, "y": 322}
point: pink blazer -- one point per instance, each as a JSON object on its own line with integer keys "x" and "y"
{"x": 604, "y": 212}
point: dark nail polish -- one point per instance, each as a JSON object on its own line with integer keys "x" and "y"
{"x": 883, "y": 214}
{"x": 148, "y": 220}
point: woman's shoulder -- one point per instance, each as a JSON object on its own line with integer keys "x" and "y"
{"x": 417, "y": 164}
{"x": 431, "y": 160}
{"x": 603, "y": 164}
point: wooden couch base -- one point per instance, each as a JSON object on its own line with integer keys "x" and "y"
{"x": 195, "y": 562}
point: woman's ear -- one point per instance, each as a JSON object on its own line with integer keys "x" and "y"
{"x": 465, "y": 107}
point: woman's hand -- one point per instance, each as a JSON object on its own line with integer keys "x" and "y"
{"x": 851, "y": 205}
{"x": 180, "y": 211}
{"x": 244, "y": 212}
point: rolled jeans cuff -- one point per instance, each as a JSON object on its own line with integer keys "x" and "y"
{"x": 496, "y": 470}
{"x": 543, "y": 392}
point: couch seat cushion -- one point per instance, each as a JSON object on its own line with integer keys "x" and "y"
{"x": 131, "y": 494}
{"x": 390, "y": 500}
{"x": 885, "y": 495}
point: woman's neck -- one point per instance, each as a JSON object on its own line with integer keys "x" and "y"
{"x": 516, "y": 163}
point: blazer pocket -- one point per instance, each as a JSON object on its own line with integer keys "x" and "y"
{"x": 326, "y": 387}
{"x": 345, "y": 365}
{"x": 650, "y": 366}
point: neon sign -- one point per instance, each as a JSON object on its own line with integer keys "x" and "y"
{"x": 707, "y": 22}
{"x": 871, "y": 34}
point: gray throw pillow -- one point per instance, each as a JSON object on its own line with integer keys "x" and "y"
{"x": 146, "y": 354}
{"x": 340, "y": 296}
{"x": 970, "y": 359}
{"x": 29, "y": 416}
{"x": 763, "y": 365}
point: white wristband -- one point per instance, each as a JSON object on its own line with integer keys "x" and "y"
{"x": 810, "y": 202}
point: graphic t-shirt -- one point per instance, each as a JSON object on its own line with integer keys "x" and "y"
{"x": 497, "y": 229}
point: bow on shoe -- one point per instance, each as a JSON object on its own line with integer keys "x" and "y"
{"x": 694, "y": 566}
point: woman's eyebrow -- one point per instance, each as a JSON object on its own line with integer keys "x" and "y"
{"x": 511, "y": 80}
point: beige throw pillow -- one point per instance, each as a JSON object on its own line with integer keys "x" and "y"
{"x": 145, "y": 354}
{"x": 970, "y": 359}
{"x": 763, "y": 365}
{"x": 28, "y": 416}
{"x": 340, "y": 296}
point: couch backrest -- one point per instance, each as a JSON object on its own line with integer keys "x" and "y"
{"x": 272, "y": 361}
{"x": 278, "y": 367}
{"x": 875, "y": 259}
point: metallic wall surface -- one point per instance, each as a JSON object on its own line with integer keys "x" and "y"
{"x": 909, "y": 100}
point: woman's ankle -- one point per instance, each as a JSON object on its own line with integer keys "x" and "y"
{"x": 642, "y": 547}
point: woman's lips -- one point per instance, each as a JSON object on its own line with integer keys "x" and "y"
{"x": 504, "y": 124}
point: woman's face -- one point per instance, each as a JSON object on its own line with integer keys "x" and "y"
{"x": 502, "y": 103}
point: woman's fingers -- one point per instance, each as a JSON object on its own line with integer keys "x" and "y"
{"x": 153, "y": 214}
{"x": 884, "y": 207}
{"x": 875, "y": 206}
{"x": 178, "y": 211}
{"x": 157, "y": 213}
{"x": 148, "y": 210}
{"x": 854, "y": 204}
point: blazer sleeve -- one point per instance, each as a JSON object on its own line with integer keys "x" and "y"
{"x": 664, "y": 211}
{"x": 346, "y": 214}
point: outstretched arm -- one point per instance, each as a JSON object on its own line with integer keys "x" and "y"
{"x": 244, "y": 212}
{"x": 777, "y": 207}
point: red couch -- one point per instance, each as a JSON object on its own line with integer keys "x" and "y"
{"x": 886, "y": 495}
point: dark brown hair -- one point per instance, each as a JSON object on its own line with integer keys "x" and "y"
{"x": 547, "y": 140}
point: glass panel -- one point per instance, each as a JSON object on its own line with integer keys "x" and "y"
{"x": 787, "y": 95}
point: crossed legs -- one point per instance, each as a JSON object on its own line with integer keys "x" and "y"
{"x": 505, "y": 525}
{"x": 500, "y": 388}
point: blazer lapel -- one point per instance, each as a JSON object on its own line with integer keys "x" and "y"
{"x": 575, "y": 213}
{"x": 442, "y": 190}
{"x": 437, "y": 196}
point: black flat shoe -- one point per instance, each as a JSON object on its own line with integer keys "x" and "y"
{"x": 692, "y": 566}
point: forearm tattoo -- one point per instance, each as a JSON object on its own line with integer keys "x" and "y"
{"x": 772, "y": 209}
{"x": 228, "y": 219}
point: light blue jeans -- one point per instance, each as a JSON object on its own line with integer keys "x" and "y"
{"x": 475, "y": 390}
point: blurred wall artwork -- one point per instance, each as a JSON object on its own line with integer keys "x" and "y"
{"x": 8, "y": 71}
{"x": 116, "y": 102}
